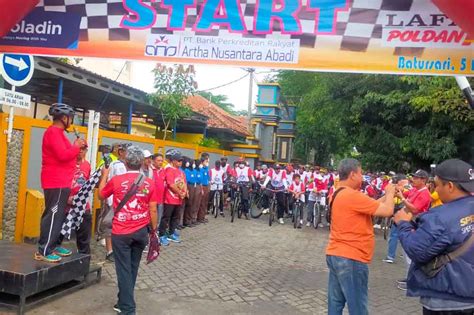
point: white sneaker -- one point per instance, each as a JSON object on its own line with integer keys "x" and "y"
{"x": 301, "y": 222}
{"x": 321, "y": 225}
{"x": 281, "y": 221}
{"x": 377, "y": 226}
{"x": 102, "y": 242}
{"x": 265, "y": 211}
{"x": 308, "y": 224}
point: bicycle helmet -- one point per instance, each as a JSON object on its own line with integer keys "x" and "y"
{"x": 59, "y": 109}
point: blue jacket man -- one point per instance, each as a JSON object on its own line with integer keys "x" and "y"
{"x": 441, "y": 231}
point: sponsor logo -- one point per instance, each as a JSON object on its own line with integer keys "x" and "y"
{"x": 223, "y": 48}
{"x": 45, "y": 29}
{"x": 401, "y": 29}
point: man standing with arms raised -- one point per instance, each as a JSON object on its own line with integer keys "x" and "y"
{"x": 57, "y": 171}
{"x": 351, "y": 242}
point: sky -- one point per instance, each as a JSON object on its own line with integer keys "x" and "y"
{"x": 207, "y": 77}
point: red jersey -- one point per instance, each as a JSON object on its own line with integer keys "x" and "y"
{"x": 59, "y": 159}
{"x": 421, "y": 199}
{"x": 82, "y": 174}
{"x": 136, "y": 212}
{"x": 174, "y": 176}
{"x": 159, "y": 179}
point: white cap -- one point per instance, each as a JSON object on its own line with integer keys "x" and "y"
{"x": 147, "y": 154}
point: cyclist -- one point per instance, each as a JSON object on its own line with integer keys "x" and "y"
{"x": 277, "y": 180}
{"x": 297, "y": 190}
{"x": 311, "y": 190}
{"x": 244, "y": 177}
{"x": 217, "y": 185}
{"x": 57, "y": 172}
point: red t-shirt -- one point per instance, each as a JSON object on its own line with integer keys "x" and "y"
{"x": 421, "y": 199}
{"x": 136, "y": 212}
{"x": 59, "y": 159}
{"x": 82, "y": 174}
{"x": 159, "y": 178}
{"x": 174, "y": 176}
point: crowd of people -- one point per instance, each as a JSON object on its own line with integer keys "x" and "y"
{"x": 146, "y": 194}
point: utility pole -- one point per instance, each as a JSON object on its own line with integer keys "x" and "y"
{"x": 249, "y": 114}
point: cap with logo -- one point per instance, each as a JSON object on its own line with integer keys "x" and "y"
{"x": 173, "y": 155}
{"x": 421, "y": 174}
{"x": 457, "y": 171}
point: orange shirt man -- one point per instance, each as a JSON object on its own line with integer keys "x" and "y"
{"x": 351, "y": 241}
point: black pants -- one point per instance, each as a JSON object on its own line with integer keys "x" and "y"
{"x": 128, "y": 251}
{"x": 170, "y": 220}
{"x": 83, "y": 235}
{"x": 245, "y": 196}
{"x": 462, "y": 312}
{"x": 52, "y": 219}
{"x": 280, "y": 197}
{"x": 211, "y": 199}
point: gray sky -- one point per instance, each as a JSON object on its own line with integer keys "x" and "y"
{"x": 207, "y": 77}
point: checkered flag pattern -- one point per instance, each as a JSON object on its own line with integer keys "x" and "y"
{"x": 79, "y": 203}
{"x": 358, "y": 29}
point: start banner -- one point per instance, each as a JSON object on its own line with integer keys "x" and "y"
{"x": 377, "y": 36}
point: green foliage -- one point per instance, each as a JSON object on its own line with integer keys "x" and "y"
{"x": 173, "y": 85}
{"x": 220, "y": 100}
{"x": 210, "y": 143}
{"x": 223, "y": 102}
{"x": 393, "y": 121}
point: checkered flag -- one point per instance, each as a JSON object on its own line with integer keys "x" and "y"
{"x": 79, "y": 203}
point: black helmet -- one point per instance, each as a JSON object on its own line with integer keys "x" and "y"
{"x": 60, "y": 109}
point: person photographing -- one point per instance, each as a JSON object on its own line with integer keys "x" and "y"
{"x": 59, "y": 158}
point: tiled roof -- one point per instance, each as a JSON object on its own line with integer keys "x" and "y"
{"x": 218, "y": 118}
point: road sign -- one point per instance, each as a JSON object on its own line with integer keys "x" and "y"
{"x": 17, "y": 69}
{"x": 15, "y": 99}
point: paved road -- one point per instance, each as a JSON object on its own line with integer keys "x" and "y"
{"x": 241, "y": 268}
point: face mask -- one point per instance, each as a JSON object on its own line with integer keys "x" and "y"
{"x": 241, "y": 165}
{"x": 194, "y": 165}
{"x": 187, "y": 164}
{"x": 222, "y": 164}
{"x": 200, "y": 166}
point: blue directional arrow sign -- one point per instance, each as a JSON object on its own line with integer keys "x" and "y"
{"x": 17, "y": 69}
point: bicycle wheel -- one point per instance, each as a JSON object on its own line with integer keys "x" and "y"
{"x": 216, "y": 203}
{"x": 316, "y": 215}
{"x": 239, "y": 210}
{"x": 256, "y": 209}
{"x": 235, "y": 206}
{"x": 296, "y": 215}
{"x": 385, "y": 227}
{"x": 272, "y": 214}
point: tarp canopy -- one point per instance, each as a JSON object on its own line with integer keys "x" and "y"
{"x": 376, "y": 36}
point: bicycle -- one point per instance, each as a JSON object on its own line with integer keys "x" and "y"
{"x": 386, "y": 224}
{"x": 235, "y": 206}
{"x": 318, "y": 208}
{"x": 273, "y": 205}
{"x": 216, "y": 202}
{"x": 256, "y": 205}
{"x": 297, "y": 213}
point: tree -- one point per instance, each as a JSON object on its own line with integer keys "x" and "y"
{"x": 392, "y": 121}
{"x": 220, "y": 100}
{"x": 173, "y": 85}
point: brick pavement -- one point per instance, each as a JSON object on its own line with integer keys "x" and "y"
{"x": 249, "y": 263}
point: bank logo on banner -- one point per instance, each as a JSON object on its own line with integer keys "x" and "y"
{"x": 223, "y": 48}
{"x": 45, "y": 29}
{"x": 425, "y": 30}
